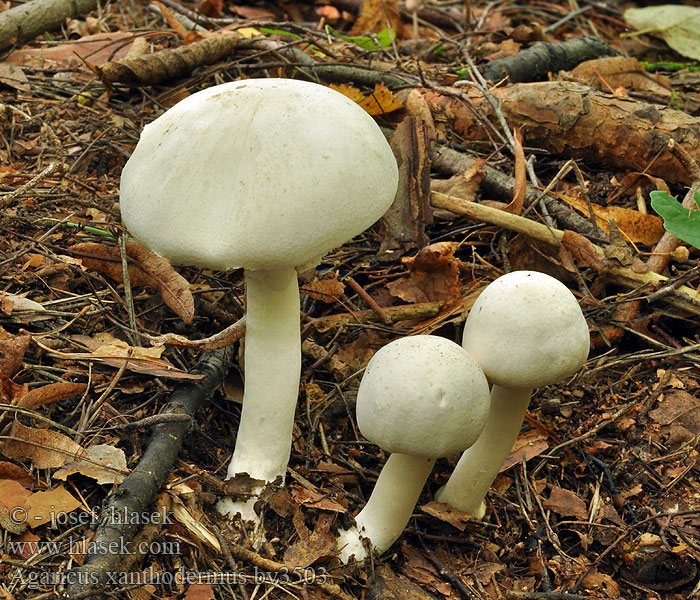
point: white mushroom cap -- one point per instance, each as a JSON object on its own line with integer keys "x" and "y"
{"x": 260, "y": 174}
{"x": 526, "y": 330}
{"x": 423, "y": 396}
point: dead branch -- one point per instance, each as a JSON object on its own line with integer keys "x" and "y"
{"x": 575, "y": 121}
{"x": 25, "y": 22}
{"x": 542, "y": 58}
{"x": 141, "y": 486}
{"x": 499, "y": 186}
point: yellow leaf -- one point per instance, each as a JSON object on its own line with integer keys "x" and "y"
{"x": 379, "y": 102}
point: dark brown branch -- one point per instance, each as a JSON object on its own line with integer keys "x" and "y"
{"x": 136, "y": 493}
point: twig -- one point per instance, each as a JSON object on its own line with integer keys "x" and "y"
{"x": 128, "y": 296}
{"x": 10, "y": 197}
{"x": 137, "y": 491}
{"x": 379, "y": 311}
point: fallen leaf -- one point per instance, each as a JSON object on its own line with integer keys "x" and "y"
{"x": 27, "y": 546}
{"x": 595, "y": 580}
{"x": 375, "y": 15}
{"x": 115, "y": 358}
{"x": 325, "y": 289}
{"x": 199, "y": 591}
{"x": 529, "y": 445}
{"x": 679, "y": 25}
{"x": 12, "y": 354}
{"x": 149, "y": 269}
{"x": 317, "y": 500}
{"x": 45, "y": 448}
{"x": 581, "y": 250}
{"x": 464, "y": 185}
{"x": 635, "y": 226}
{"x": 14, "y": 77}
{"x": 566, "y": 504}
{"x": 448, "y": 514}
{"x": 53, "y": 392}
{"x": 312, "y": 546}
{"x": 103, "y": 462}
{"x": 611, "y": 72}
{"x": 434, "y": 275}
{"x": 11, "y": 303}
{"x": 380, "y": 102}
{"x": 45, "y": 507}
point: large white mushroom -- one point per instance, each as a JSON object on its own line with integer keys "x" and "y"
{"x": 267, "y": 175}
{"x": 420, "y": 398}
{"x": 525, "y": 330}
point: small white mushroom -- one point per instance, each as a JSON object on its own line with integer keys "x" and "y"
{"x": 420, "y": 398}
{"x": 267, "y": 175}
{"x": 525, "y": 330}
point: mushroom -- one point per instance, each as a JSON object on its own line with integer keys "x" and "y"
{"x": 525, "y": 330}
{"x": 267, "y": 175}
{"x": 420, "y": 398}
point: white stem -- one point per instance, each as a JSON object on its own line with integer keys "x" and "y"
{"x": 479, "y": 465}
{"x": 272, "y": 368}
{"x": 389, "y": 507}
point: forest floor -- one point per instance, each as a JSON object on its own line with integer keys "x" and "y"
{"x": 600, "y": 496}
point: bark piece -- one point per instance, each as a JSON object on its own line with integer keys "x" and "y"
{"x": 403, "y": 225}
{"x": 574, "y": 121}
{"x": 542, "y": 58}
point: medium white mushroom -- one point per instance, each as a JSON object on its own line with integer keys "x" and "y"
{"x": 267, "y": 175}
{"x": 420, "y": 398}
{"x": 525, "y": 330}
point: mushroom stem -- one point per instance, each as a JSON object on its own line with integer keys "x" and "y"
{"x": 389, "y": 508}
{"x": 478, "y": 466}
{"x": 272, "y": 369}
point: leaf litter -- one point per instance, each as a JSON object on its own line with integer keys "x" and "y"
{"x": 597, "y": 497}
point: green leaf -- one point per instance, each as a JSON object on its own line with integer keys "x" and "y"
{"x": 385, "y": 37}
{"x": 681, "y": 222}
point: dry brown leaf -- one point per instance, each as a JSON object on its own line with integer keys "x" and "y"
{"x": 566, "y": 504}
{"x": 10, "y": 392}
{"x": 582, "y": 250}
{"x": 103, "y": 462}
{"x": 377, "y": 15}
{"x": 464, "y": 185}
{"x": 45, "y": 448}
{"x": 139, "y": 364}
{"x": 529, "y": 445}
{"x": 199, "y": 591}
{"x": 380, "y": 102}
{"x": 612, "y": 72}
{"x": 44, "y": 507}
{"x": 434, "y": 275}
{"x": 317, "y": 500}
{"x": 326, "y": 289}
{"x": 635, "y": 226}
{"x": 27, "y": 546}
{"x": 53, "y": 392}
{"x": 12, "y": 354}
{"x": 312, "y": 546}
{"x": 594, "y": 580}
{"x": 150, "y": 269}
{"x": 448, "y": 514}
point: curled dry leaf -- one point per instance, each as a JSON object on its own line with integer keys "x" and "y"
{"x": 311, "y": 545}
{"x": 448, "y": 514}
{"x": 434, "y": 275}
{"x": 147, "y": 269}
{"x": 10, "y": 303}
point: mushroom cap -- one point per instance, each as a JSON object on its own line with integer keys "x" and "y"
{"x": 259, "y": 173}
{"x": 526, "y": 330}
{"x": 423, "y": 395}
